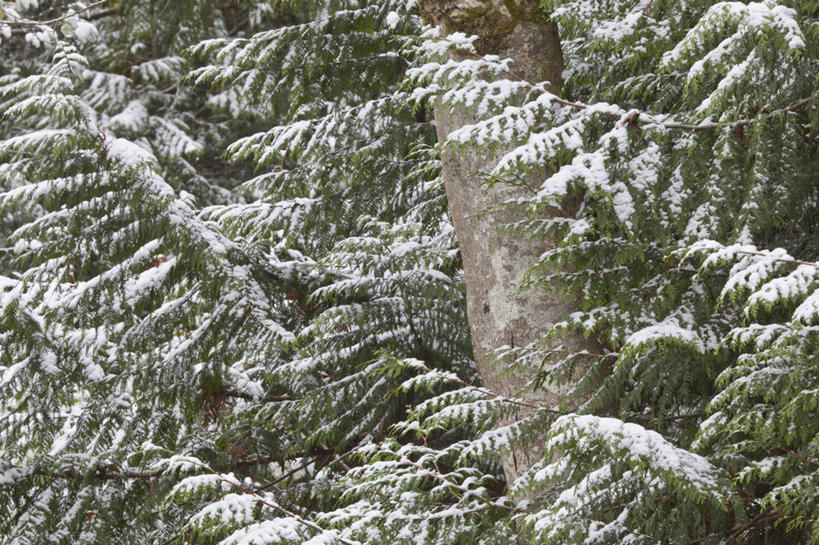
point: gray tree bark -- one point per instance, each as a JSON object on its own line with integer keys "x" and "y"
{"x": 499, "y": 313}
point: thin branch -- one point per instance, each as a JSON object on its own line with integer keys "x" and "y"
{"x": 112, "y": 472}
{"x": 736, "y": 531}
{"x": 57, "y": 19}
{"x": 791, "y": 261}
{"x": 762, "y": 518}
{"x": 286, "y": 475}
{"x": 579, "y": 353}
{"x": 794, "y": 455}
{"x": 633, "y": 115}
{"x": 256, "y": 461}
{"x": 670, "y": 418}
{"x": 261, "y": 500}
{"x": 685, "y": 270}
{"x": 107, "y": 472}
{"x": 441, "y": 515}
{"x": 499, "y": 397}
{"x": 101, "y": 14}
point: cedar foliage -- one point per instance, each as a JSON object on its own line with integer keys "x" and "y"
{"x": 232, "y": 308}
{"x": 201, "y": 277}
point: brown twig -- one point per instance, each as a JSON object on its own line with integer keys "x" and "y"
{"x": 761, "y": 518}
{"x": 794, "y": 455}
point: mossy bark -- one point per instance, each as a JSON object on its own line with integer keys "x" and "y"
{"x": 511, "y": 28}
{"x": 499, "y": 313}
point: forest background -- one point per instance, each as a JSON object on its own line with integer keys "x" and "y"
{"x": 456, "y": 271}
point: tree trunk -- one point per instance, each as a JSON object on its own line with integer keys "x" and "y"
{"x": 499, "y": 313}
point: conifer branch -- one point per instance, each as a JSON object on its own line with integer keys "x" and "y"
{"x": 632, "y": 116}
{"x": 462, "y": 489}
{"x": 349, "y": 266}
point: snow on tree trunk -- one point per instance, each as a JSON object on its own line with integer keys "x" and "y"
{"x": 499, "y": 313}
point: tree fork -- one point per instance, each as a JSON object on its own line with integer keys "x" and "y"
{"x": 499, "y": 313}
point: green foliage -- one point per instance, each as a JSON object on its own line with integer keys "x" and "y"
{"x": 231, "y": 301}
{"x": 683, "y": 146}
{"x": 176, "y": 303}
